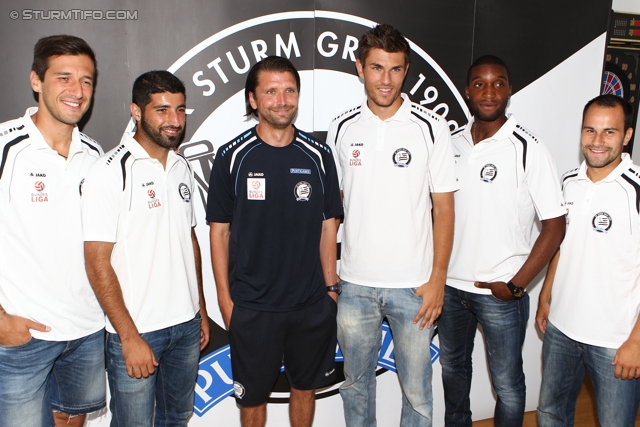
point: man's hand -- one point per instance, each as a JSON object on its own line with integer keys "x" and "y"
{"x": 226, "y": 307}
{"x": 627, "y": 360}
{"x": 498, "y": 289}
{"x": 138, "y": 357}
{"x": 432, "y": 302}
{"x": 334, "y": 296}
{"x": 204, "y": 330}
{"x": 14, "y": 330}
{"x": 542, "y": 315}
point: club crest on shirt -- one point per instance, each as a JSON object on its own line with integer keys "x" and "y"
{"x": 302, "y": 191}
{"x": 488, "y": 173}
{"x": 602, "y": 222}
{"x": 184, "y": 191}
{"x": 256, "y": 188}
{"x": 401, "y": 158}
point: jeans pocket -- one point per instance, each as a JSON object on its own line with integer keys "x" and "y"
{"x": 495, "y": 299}
{"x": 413, "y": 292}
{"x": 197, "y": 318}
{"x": 17, "y": 346}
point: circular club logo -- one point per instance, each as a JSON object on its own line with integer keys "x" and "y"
{"x": 322, "y": 45}
{"x": 602, "y": 222}
{"x": 184, "y": 191}
{"x": 151, "y": 194}
{"x": 302, "y": 191}
{"x": 488, "y": 173}
{"x": 401, "y": 158}
{"x": 39, "y": 186}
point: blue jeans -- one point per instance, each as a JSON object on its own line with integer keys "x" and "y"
{"x": 171, "y": 387}
{"x": 564, "y": 362}
{"x": 361, "y": 310}
{"x": 504, "y": 324}
{"x": 39, "y": 377}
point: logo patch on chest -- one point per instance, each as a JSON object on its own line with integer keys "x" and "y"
{"x": 39, "y": 195}
{"x": 401, "y": 158}
{"x": 356, "y": 158}
{"x": 256, "y": 189}
{"x": 488, "y": 173}
{"x": 300, "y": 171}
{"x": 153, "y": 201}
{"x": 302, "y": 191}
{"x": 602, "y": 222}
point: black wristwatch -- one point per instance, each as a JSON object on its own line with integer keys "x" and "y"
{"x": 337, "y": 288}
{"x": 516, "y": 291}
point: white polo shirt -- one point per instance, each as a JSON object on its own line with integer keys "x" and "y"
{"x": 596, "y": 292}
{"x": 387, "y": 171}
{"x": 505, "y": 181}
{"x": 42, "y": 274}
{"x": 148, "y": 212}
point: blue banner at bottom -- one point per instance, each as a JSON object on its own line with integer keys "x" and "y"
{"x": 215, "y": 382}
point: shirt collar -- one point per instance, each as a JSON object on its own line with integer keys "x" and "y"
{"x": 37, "y": 139}
{"x": 403, "y": 114}
{"x": 139, "y": 153}
{"x": 624, "y": 165}
{"x": 504, "y": 132}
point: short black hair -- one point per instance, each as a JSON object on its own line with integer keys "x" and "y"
{"x": 274, "y": 64}
{"x": 385, "y": 37}
{"x": 151, "y": 82}
{"x": 611, "y": 101}
{"x": 488, "y": 60}
{"x": 58, "y": 45}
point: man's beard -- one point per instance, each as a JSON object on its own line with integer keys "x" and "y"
{"x": 161, "y": 139}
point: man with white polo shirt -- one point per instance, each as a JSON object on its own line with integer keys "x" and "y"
{"x": 506, "y": 176}
{"x": 143, "y": 260}
{"x": 589, "y": 304}
{"x": 396, "y": 167}
{"x": 51, "y": 325}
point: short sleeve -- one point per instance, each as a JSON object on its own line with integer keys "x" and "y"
{"x": 442, "y": 167}
{"x": 331, "y": 142}
{"x": 220, "y": 198}
{"x": 332, "y": 199}
{"x": 101, "y": 198}
{"x": 541, "y": 178}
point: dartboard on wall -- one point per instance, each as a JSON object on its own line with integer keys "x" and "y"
{"x": 614, "y": 82}
{"x": 620, "y": 78}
